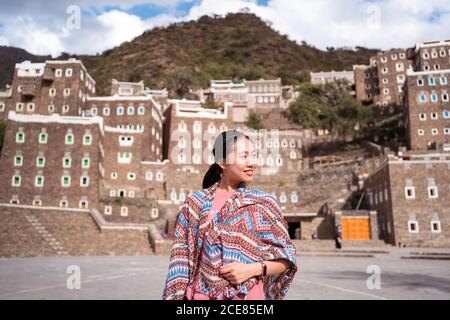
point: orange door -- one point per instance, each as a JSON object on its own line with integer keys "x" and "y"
{"x": 355, "y": 229}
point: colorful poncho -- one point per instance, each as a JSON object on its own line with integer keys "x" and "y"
{"x": 250, "y": 227}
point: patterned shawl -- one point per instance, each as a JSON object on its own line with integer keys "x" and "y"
{"x": 250, "y": 227}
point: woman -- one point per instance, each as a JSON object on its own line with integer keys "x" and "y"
{"x": 231, "y": 242}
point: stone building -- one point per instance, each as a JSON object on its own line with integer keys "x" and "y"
{"x": 427, "y": 109}
{"x": 381, "y": 82}
{"x": 410, "y": 193}
{"x": 46, "y": 88}
{"x": 247, "y": 96}
{"x": 332, "y": 76}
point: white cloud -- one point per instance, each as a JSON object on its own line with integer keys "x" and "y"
{"x": 4, "y": 41}
{"x": 322, "y": 23}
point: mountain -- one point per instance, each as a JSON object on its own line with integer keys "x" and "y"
{"x": 239, "y": 45}
{"x": 189, "y": 54}
{"x": 9, "y": 56}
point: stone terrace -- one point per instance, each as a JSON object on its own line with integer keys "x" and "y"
{"x": 28, "y": 233}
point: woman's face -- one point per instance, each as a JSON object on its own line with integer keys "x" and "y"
{"x": 241, "y": 161}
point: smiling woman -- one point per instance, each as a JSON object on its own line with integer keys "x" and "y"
{"x": 231, "y": 242}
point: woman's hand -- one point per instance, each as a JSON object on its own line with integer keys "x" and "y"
{"x": 237, "y": 272}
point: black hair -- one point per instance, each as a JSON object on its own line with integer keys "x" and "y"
{"x": 222, "y": 147}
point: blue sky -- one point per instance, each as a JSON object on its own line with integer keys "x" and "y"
{"x": 41, "y": 27}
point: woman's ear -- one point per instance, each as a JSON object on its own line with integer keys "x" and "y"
{"x": 221, "y": 164}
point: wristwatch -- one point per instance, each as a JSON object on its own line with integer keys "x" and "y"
{"x": 264, "y": 268}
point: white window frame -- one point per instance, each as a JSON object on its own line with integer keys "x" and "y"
{"x": 432, "y": 222}
{"x": 13, "y": 180}
{"x": 108, "y": 210}
{"x": 131, "y": 176}
{"x": 124, "y": 211}
{"x": 436, "y": 195}
{"x": 36, "y": 181}
{"x": 413, "y": 222}
{"x": 37, "y": 162}
{"x": 62, "y": 181}
{"x": 21, "y": 160}
{"x": 17, "y": 137}
{"x": 141, "y": 110}
{"x": 90, "y": 140}
{"x": 106, "y": 111}
{"x": 88, "y": 165}
{"x": 413, "y": 193}
{"x": 58, "y": 73}
{"x": 64, "y": 162}
{"x": 69, "y": 72}
{"x": 84, "y": 185}
{"x": 73, "y": 139}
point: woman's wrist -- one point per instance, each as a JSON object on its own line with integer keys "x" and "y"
{"x": 257, "y": 269}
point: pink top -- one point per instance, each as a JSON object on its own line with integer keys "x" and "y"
{"x": 255, "y": 293}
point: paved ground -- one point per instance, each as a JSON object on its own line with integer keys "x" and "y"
{"x": 143, "y": 278}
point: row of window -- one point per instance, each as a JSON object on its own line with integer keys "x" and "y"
{"x": 43, "y": 138}
{"x": 434, "y": 132}
{"x": 120, "y": 111}
{"x": 432, "y": 192}
{"x": 427, "y": 67}
{"x": 413, "y": 226}
{"x": 434, "y": 54}
{"x": 66, "y": 181}
{"x": 261, "y": 89}
{"x": 266, "y": 99}
{"x": 138, "y": 127}
{"x": 66, "y": 162}
{"x": 159, "y": 176}
{"x": 434, "y": 97}
{"x": 66, "y": 92}
{"x": 82, "y": 204}
{"x": 432, "y": 81}
{"x": 31, "y": 107}
{"x": 154, "y": 212}
{"x": 434, "y": 115}
{"x": 68, "y": 72}
{"x": 393, "y": 57}
{"x": 197, "y": 127}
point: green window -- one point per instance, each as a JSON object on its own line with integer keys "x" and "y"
{"x": 20, "y": 137}
{"x": 87, "y": 139}
{"x": 16, "y": 181}
{"x": 18, "y": 161}
{"x": 43, "y": 138}
{"x": 86, "y": 163}
{"x": 67, "y": 162}
{"x": 66, "y": 181}
{"x": 69, "y": 138}
{"x": 39, "y": 181}
{"x": 40, "y": 162}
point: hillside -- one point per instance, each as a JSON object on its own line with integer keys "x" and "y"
{"x": 189, "y": 54}
{"x": 9, "y": 56}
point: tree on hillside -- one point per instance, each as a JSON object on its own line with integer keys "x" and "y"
{"x": 329, "y": 107}
{"x": 254, "y": 122}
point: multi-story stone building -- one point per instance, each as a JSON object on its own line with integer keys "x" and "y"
{"x": 434, "y": 55}
{"x": 427, "y": 109}
{"x": 381, "y": 82}
{"x": 410, "y": 194}
{"x": 52, "y": 87}
{"x": 332, "y": 76}
{"x": 247, "y": 96}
